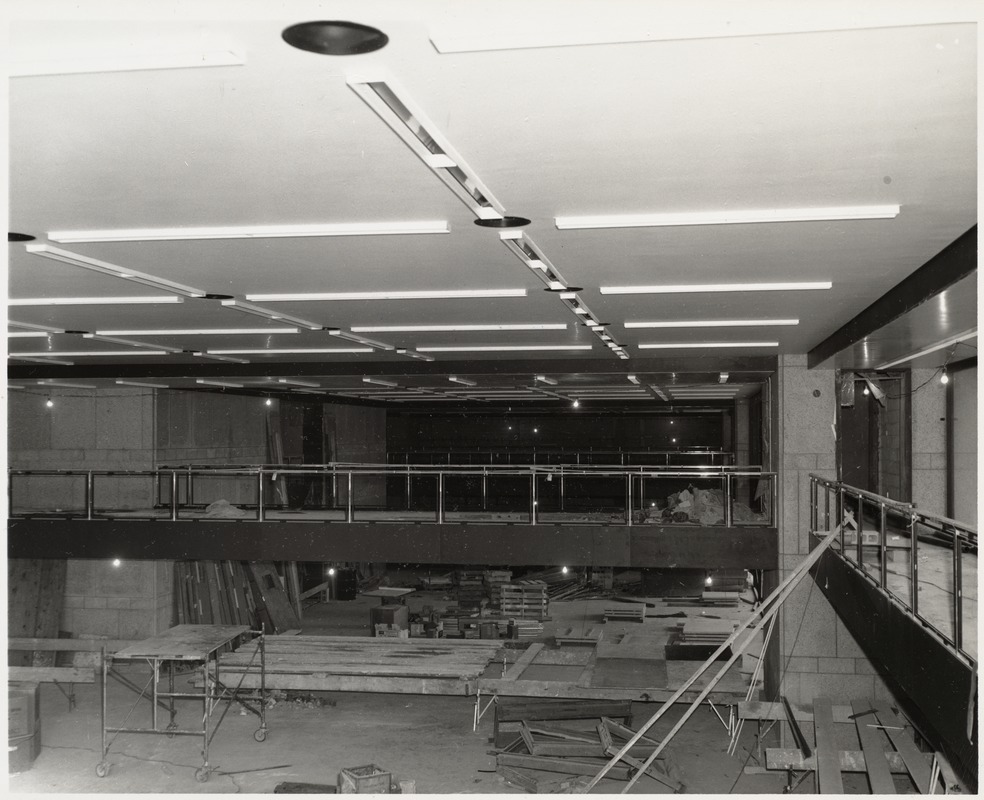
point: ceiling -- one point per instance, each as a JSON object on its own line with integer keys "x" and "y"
{"x": 208, "y": 120}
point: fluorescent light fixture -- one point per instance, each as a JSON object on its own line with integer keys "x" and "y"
{"x": 531, "y": 326}
{"x": 690, "y": 345}
{"x": 228, "y": 359}
{"x": 633, "y": 379}
{"x": 437, "y": 294}
{"x": 251, "y": 232}
{"x": 92, "y": 353}
{"x": 952, "y": 340}
{"x": 394, "y": 106}
{"x": 351, "y": 337}
{"x": 503, "y": 348}
{"x": 729, "y": 217}
{"x": 723, "y": 377}
{"x": 32, "y": 327}
{"x": 131, "y": 342}
{"x": 546, "y": 380}
{"x": 521, "y": 246}
{"x": 295, "y": 382}
{"x": 289, "y": 351}
{"x": 684, "y": 288}
{"x": 199, "y": 332}
{"x": 462, "y": 381}
{"x": 381, "y": 382}
{"x": 659, "y": 392}
{"x": 27, "y": 335}
{"x": 66, "y": 384}
{"x": 38, "y": 360}
{"x": 126, "y": 62}
{"x": 249, "y": 308}
{"x": 568, "y": 295}
{"x": 413, "y": 354}
{"x": 580, "y": 310}
{"x": 712, "y": 323}
{"x": 144, "y": 385}
{"x": 105, "y": 268}
{"x": 94, "y": 301}
{"x": 205, "y": 382}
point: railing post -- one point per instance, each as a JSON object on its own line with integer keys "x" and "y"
{"x": 826, "y": 508}
{"x": 533, "y": 497}
{"x": 561, "y": 487}
{"x": 260, "y": 512}
{"x": 840, "y": 519}
{"x": 409, "y": 489}
{"x": 728, "y": 510}
{"x": 174, "y": 495}
{"x": 348, "y": 499}
{"x": 89, "y": 487}
{"x": 883, "y": 547}
{"x": 860, "y": 523}
{"x": 957, "y": 591}
{"x": 485, "y": 488}
{"x": 628, "y": 499}
{"x": 913, "y": 565}
{"x": 440, "y": 498}
{"x": 813, "y": 503}
{"x": 189, "y": 488}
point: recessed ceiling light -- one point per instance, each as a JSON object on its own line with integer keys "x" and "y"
{"x": 94, "y": 301}
{"x": 351, "y": 337}
{"x": 503, "y": 348}
{"x": 437, "y": 294}
{"x": 143, "y": 385}
{"x": 227, "y": 359}
{"x": 130, "y": 342}
{"x": 295, "y": 350}
{"x": 729, "y": 217}
{"x": 503, "y": 222}
{"x": 633, "y": 379}
{"x": 690, "y": 345}
{"x": 952, "y": 340}
{"x": 717, "y": 287}
{"x": 113, "y": 270}
{"x": 251, "y": 232}
{"x": 335, "y": 38}
{"x": 199, "y": 332}
{"x": 205, "y": 382}
{"x": 712, "y": 323}
{"x": 532, "y": 326}
{"x": 249, "y": 308}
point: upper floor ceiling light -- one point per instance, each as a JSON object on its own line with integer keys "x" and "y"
{"x": 335, "y": 38}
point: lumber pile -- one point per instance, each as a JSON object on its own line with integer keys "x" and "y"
{"x": 494, "y": 580}
{"x": 567, "y": 636}
{"x": 636, "y": 612}
{"x": 526, "y": 599}
{"x": 541, "y": 749}
{"x": 698, "y": 638}
{"x": 471, "y": 588}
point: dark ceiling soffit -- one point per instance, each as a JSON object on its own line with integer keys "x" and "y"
{"x": 955, "y": 261}
{"x": 597, "y": 366}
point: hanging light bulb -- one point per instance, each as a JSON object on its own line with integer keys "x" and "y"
{"x": 49, "y": 402}
{"x": 944, "y": 378}
{"x": 576, "y": 403}
{"x": 866, "y": 390}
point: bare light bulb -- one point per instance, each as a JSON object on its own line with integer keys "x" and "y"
{"x": 944, "y": 378}
{"x": 49, "y": 403}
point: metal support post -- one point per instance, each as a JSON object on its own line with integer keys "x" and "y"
{"x": 957, "y": 592}
{"x": 883, "y": 547}
{"x": 440, "y": 498}
{"x": 813, "y": 505}
{"x": 174, "y": 496}
{"x": 88, "y": 494}
{"x": 728, "y": 499}
{"x": 409, "y": 490}
{"x": 913, "y": 566}
{"x": 260, "y": 512}
{"x": 348, "y": 499}
{"x": 533, "y": 497}
{"x": 628, "y": 499}
{"x": 485, "y": 489}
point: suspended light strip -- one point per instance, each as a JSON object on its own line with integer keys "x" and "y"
{"x": 503, "y": 348}
{"x": 295, "y": 382}
{"x": 28, "y": 335}
{"x": 717, "y": 287}
{"x": 227, "y": 384}
{"x": 691, "y": 345}
{"x": 394, "y": 106}
{"x": 94, "y": 301}
{"x": 960, "y": 337}
{"x": 546, "y": 380}
{"x": 249, "y": 308}
{"x": 438, "y": 294}
{"x": 462, "y": 381}
{"x": 200, "y": 332}
{"x": 144, "y": 385}
{"x": 131, "y": 342}
{"x": 521, "y": 246}
{"x": 39, "y": 360}
{"x": 66, "y": 384}
{"x": 659, "y": 392}
{"x": 32, "y": 327}
{"x": 251, "y": 232}
{"x": 92, "y": 353}
{"x": 381, "y": 382}
{"x": 351, "y": 337}
{"x": 539, "y": 326}
{"x": 288, "y": 351}
{"x": 228, "y": 359}
{"x": 105, "y": 268}
{"x": 729, "y": 217}
{"x": 126, "y": 62}
{"x": 413, "y": 354}
{"x": 712, "y": 323}
{"x": 633, "y": 379}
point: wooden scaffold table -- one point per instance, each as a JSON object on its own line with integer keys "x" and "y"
{"x": 199, "y": 647}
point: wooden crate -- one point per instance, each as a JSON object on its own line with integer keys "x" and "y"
{"x": 369, "y": 779}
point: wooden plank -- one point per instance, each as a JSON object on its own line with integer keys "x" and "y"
{"x": 274, "y": 598}
{"x": 585, "y": 750}
{"x": 624, "y": 731}
{"x": 321, "y": 587}
{"x": 652, "y": 770}
{"x": 51, "y": 600}
{"x": 828, "y": 762}
{"x": 523, "y": 662}
{"x": 850, "y": 760}
{"x": 70, "y": 645}
{"x": 52, "y": 674}
{"x": 879, "y": 775}
{"x": 561, "y": 733}
{"x": 569, "y": 766}
{"x": 774, "y": 711}
{"x": 915, "y": 761}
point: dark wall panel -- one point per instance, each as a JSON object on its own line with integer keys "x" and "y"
{"x": 706, "y": 548}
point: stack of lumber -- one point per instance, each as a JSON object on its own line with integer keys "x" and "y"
{"x": 310, "y": 661}
{"x": 574, "y": 590}
{"x": 542, "y": 749}
{"x": 527, "y": 599}
{"x": 471, "y": 588}
{"x": 632, "y": 612}
{"x": 524, "y": 629}
{"x": 719, "y": 598}
{"x": 707, "y": 631}
{"x": 437, "y": 582}
{"x": 494, "y": 580}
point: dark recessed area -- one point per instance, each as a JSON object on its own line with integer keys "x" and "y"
{"x": 335, "y": 38}
{"x": 504, "y": 222}
{"x": 566, "y": 289}
{"x": 19, "y": 237}
{"x": 211, "y": 296}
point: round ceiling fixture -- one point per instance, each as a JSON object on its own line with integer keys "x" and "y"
{"x": 503, "y": 222}
{"x": 19, "y": 237}
{"x": 335, "y": 38}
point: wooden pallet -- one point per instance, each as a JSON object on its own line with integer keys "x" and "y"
{"x": 631, "y": 613}
{"x": 591, "y": 636}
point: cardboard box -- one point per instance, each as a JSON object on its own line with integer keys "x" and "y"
{"x": 25, "y": 750}
{"x": 393, "y": 615}
{"x": 369, "y": 779}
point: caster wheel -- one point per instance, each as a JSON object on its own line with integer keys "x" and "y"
{"x": 201, "y": 774}
{"x": 102, "y": 769}
{"x": 169, "y": 730}
{"x": 260, "y": 734}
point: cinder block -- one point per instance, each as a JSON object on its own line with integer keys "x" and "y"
{"x": 790, "y": 686}
{"x": 139, "y": 603}
{"x": 862, "y": 666}
{"x": 94, "y": 602}
{"x": 847, "y": 646}
{"x": 836, "y": 665}
{"x": 137, "y": 624}
{"x": 73, "y": 601}
{"x": 97, "y": 622}
{"x": 117, "y": 602}
{"x": 843, "y": 687}
{"x": 805, "y": 461}
{"x": 801, "y": 664}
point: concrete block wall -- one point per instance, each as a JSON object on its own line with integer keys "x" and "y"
{"x": 131, "y": 601}
{"x": 360, "y": 437}
{"x": 928, "y": 441}
{"x": 892, "y": 453}
{"x": 818, "y": 655}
